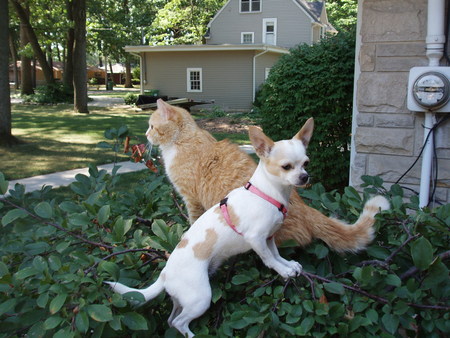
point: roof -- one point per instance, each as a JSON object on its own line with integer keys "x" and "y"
{"x": 314, "y": 9}
{"x": 204, "y": 48}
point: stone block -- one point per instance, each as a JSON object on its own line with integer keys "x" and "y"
{"x": 382, "y": 92}
{"x": 384, "y": 141}
{"x": 398, "y": 64}
{"x": 358, "y": 169}
{"x": 394, "y": 121}
{"x": 364, "y": 120}
{"x": 390, "y": 168}
{"x": 367, "y": 58}
{"x": 394, "y": 20}
{"x": 401, "y": 49}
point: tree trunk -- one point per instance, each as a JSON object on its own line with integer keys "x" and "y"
{"x": 68, "y": 65}
{"x": 26, "y": 85}
{"x": 79, "y": 57}
{"x": 38, "y": 53}
{"x": 6, "y": 137}
{"x": 128, "y": 83}
{"x": 14, "y": 57}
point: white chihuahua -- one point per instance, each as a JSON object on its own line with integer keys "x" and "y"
{"x": 245, "y": 220}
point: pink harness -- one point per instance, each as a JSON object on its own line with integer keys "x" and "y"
{"x": 256, "y": 191}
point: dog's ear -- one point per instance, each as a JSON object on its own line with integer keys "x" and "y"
{"x": 305, "y": 133}
{"x": 263, "y": 144}
{"x": 166, "y": 109}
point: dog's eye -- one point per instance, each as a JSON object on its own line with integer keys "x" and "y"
{"x": 305, "y": 164}
{"x": 287, "y": 167}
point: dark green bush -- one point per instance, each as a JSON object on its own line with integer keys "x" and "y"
{"x": 53, "y": 93}
{"x": 314, "y": 81}
{"x": 56, "y": 252}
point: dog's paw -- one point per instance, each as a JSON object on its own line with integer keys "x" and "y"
{"x": 290, "y": 270}
{"x": 296, "y": 266}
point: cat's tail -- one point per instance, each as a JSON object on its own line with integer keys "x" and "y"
{"x": 307, "y": 223}
{"x": 149, "y": 293}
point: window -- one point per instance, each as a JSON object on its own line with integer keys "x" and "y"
{"x": 194, "y": 79}
{"x": 247, "y": 37}
{"x": 266, "y": 73}
{"x": 250, "y": 6}
{"x": 270, "y": 31}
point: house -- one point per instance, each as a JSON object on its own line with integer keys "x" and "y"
{"x": 243, "y": 41}
{"x": 39, "y": 74}
{"x": 387, "y": 137}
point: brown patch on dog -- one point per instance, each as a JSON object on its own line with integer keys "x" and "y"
{"x": 233, "y": 216}
{"x": 204, "y": 249}
{"x": 183, "y": 243}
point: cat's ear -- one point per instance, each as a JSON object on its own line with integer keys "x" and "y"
{"x": 166, "y": 109}
{"x": 262, "y": 144}
{"x": 306, "y": 132}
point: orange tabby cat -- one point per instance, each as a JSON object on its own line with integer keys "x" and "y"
{"x": 204, "y": 171}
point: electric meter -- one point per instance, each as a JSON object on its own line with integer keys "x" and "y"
{"x": 429, "y": 89}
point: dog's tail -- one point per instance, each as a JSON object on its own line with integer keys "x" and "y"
{"x": 307, "y": 223}
{"x": 149, "y": 293}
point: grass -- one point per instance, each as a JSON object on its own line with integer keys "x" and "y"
{"x": 56, "y": 139}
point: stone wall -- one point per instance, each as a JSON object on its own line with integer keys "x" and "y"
{"x": 386, "y": 136}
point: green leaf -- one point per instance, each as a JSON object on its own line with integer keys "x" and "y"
{"x": 52, "y": 322}
{"x": 3, "y": 184}
{"x": 305, "y": 326}
{"x": 44, "y": 210}
{"x": 111, "y": 268}
{"x": 103, "y": 214}
{"x": 42, "y": 300}
{"x": 393, "y": 280}
{"x": 7, "y": 306}
{"x": 3, "y": 269}
{"x": 12, "y": 215}
{"x": 390, "y": 322}
{"x": 159, "y": 228}
{"x": 334, "y": 287}
{"x": 240, "y": 279}
{"x": 135, "y": 321}
{"x": 82, "y": 321}
{"x": 40, "y": 264}
{"x": 25, "y": 273}
{"x": 99, "y": 312}
{"x": 57, "y": 303}
{"x": 422, "y": 253}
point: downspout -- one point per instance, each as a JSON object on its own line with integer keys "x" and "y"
{"x": 435, "y": 50}
{"x": 143, "y": 74}
{"x": 254, "y": 71}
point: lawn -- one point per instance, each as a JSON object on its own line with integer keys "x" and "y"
{"x": 56, "y": 139}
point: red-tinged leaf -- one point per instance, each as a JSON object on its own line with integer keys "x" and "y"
{"x": 151, "y": 166}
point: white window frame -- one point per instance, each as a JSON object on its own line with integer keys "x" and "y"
{"x": 264, "y": 30}
{"x": 266, "y": 73}
{"x": 247, "y": 33}
{"x": 250, "y": 7}
{"x": 189, "y": 81}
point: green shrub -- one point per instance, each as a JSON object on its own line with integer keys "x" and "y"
{"x": 314, "y": 81}
{"x": 57, "y": 251}
{"x": 53, "y": 93}
{"x": 130, "y": 99}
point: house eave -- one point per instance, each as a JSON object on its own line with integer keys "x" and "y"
{"x": 206, "y": 48}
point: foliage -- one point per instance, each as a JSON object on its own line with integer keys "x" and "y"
{"x": 51, "y": 93}
{"x": 314, "y": 81}
{"x": 57, "y": 252}
{"x": 342, "y": 14}
{"x": 130, "y": 99}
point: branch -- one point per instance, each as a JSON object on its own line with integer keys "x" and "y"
{"x": 180, "y": 209}
{"x": 378, "y": 299}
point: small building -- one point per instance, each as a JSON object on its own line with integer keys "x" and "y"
{"x": 243, "y": 41}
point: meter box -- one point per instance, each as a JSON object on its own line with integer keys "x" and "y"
{"x": 429, "y": 89}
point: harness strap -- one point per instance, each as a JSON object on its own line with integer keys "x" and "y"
{"x": 256, "y": 191}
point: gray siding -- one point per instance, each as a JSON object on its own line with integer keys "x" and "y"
{"x": 262, "y": 62}
{"x": 293, "y": 25}
{"x": 227, "y": 76}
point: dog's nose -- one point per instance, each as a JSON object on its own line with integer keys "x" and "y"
{"x": 304, "y": 179}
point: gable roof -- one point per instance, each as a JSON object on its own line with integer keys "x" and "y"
{"x": 196, "y": 48}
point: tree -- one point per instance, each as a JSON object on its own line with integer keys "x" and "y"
{"x": 342, "y": 13}
{"x": 6, "y": 137}
{"x": 79, "y": 57}
{"x": 34, "y": 42}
